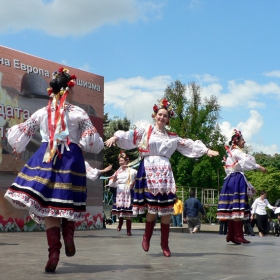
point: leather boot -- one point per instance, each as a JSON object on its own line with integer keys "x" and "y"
{"x": 147, "y": 235}
{"x": 164, "y": 239}
{"x": 238, "y": 233}
{"x": 53, "y": 237}
{"x": 230, "y": 234}
{"x": 120, "y": 224}
{"x": 68, "y": 228}
{"x": 128, "y": 227}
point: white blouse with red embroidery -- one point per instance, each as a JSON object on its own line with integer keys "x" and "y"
{"x": 80, "y": 130}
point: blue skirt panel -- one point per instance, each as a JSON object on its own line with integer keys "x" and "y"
{"x": 56, "y": 189}
{"x": 233, "y": 199}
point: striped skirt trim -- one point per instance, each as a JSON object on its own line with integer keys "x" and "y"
{"x": 233, "y": 200}
{"x": 52, "y": 189}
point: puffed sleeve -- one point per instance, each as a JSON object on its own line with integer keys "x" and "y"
{"x": 91, "y": 173}
{"x": 128, "y": 140}
{"x": 111, "y": 181}
{"x": 90, "y": 141}
{"x": 190, "y": 148}
{"x": 247, "y": 162}
{"x": 19, "y": 135}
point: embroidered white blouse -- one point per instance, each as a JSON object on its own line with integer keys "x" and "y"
{"x": 80, "y": 127}
{"x": 156, "y": 159}
{"x": 239, "y": 161}
{"x": 259, "y": 206}
{"x": 125, "y": 181}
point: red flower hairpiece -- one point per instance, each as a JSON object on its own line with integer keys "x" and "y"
{"x": 163, "y": 104}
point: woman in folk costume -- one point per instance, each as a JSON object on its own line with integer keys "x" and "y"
{"x": 123, "y": 180}
{"x": 52, "y": 184}
{"x": 155, "y": 186}
{"x": 233, "y": 201}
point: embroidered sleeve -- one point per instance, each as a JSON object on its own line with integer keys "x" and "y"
{"x": 128, "y": 140}
{"x": 91, "y": 173}
{"x": 90, "y": 141}
{"x": 247, "y": 162}
{"x": 190, "y": 148}
{"x": 19, "y": 135}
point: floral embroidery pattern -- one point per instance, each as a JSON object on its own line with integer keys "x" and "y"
{"x": 37, "y": 213}
{"x": 160, "y": 179}
{"x": 87, "y": 129}
{"x": 29, "y": 127}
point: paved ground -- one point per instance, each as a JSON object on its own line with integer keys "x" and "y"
{"x": 108, "y": 254}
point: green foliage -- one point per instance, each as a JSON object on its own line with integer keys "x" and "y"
{"x": 268, "y": 160}
{"x": 269, "y": 182}
{"x": 196, "y": 119}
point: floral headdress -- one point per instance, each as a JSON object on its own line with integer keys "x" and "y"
{"x": 163, "y": 104}
{"x": 61, "y": 83}
{"x": 123, "y": 155}
{"x": 71, "y": 81}
{"x": 236, "y": 135}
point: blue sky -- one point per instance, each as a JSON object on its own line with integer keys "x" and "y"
{"x": 230, "y": 48}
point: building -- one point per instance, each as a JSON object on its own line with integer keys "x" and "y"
{"x": 23, "y": 89}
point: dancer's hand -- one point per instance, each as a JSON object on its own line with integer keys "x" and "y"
{"x": 212, "y": 153}
{"x": 262, "y": 169}
{"x": 108, "y": 168}
{"x": 18, "y": 155}
{"x": 111, "y": 142}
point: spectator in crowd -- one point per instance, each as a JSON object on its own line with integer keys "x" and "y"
{"x": 259, "y": 207}
{"x": 192, "y": 207}
{"x": 178, "y": 210}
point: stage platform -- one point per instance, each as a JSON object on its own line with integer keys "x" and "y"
{"x": 109, "y": 254}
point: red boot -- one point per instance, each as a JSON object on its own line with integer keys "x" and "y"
{"x": 238, "y": 233}
{"x": 147, "y": 235}
{"x": 120, "y": 224}
{"x": 128, "y": 227}
{"x": 164, "y": 240}
{"x": 230, "y": 234}
{"x": 68, "y": 228}
{"x": 53, "y": 237}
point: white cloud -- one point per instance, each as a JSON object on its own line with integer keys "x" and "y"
{"x": 270, "y": 150}
{"x": 254, "y": 104}
{"x": 275, "y": 74}
{"x": 136, "y": 96}
{"x": 241, "y": 94}
{"x": 248, "y": 128}
{"x": 71, "y": 17}
{"x": 251, "y": 129}
{"x": 205, "y": 78}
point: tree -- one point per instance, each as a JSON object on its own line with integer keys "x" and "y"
{"x": 110, "y": 155}
{"x": 269, "y": 182}
{"x": 195, "y": 118}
